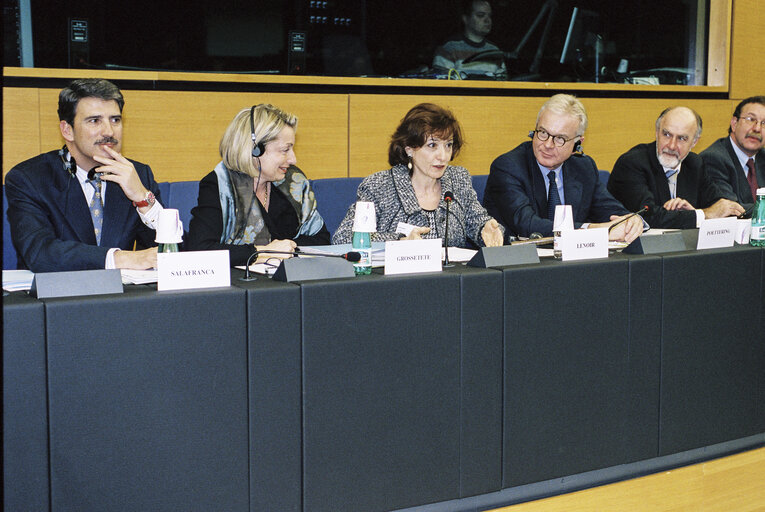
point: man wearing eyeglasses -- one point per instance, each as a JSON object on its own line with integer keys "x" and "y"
{"x": 736, "y": 163}
{"x": 526, "y": 184}
{"x": 668, "y": 178}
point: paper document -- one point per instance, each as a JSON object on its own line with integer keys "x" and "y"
{"x": 17, "y": 280}
{"x": 138, "y": 276}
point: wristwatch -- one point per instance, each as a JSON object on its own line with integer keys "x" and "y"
{"x": 149, "y": 201}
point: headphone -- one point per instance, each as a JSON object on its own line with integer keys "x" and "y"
{"x": 259, "y": 148}
{"x": 69, "y": 164}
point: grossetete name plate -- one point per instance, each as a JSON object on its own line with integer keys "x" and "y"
{"x": 411, "y": 256}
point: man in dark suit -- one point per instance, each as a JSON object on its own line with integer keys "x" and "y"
{"x": 62, "y": 219}
{"x": 667, "y": 178}
{"x": 525, "y": 184}
{"x": 736, "y": 163}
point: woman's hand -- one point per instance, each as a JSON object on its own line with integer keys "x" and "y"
{"x": 491, "y": 234}
{"x": 416, "y": 233}
{"x": 284, "y": 246}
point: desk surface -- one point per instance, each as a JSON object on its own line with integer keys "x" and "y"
{"x": 379, "y": 392}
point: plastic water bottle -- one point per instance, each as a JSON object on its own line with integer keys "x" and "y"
{"x": 362, "y": 243}
{"x": 161, "y": 248}
{"x": 757, "y": 238}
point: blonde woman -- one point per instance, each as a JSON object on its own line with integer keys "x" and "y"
{"x": 256, "y": 198}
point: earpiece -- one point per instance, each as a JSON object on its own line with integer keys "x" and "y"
{"x": 531, "y": 134}
{"x": 578, "y": 146}
{"x": 259, "y": 148}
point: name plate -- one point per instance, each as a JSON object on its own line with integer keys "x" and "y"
{"x": 714, "y": 233}
{"x": 411, "y": 256}
{"x": 584, "y": 244}
{"x": 194, "y": 269}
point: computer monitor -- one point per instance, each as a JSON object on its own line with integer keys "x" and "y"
{"x": 583, "y": 31}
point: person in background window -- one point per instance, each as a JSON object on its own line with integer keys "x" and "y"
{"x": 256, "y": 198}
{"x": 470, "y": 52}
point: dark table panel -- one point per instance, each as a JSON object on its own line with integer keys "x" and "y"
{"x": 640, "y": 422}
{"x": 567, "y": 368}
{"x": 381, "y": 384}
{"x": 275, "y": 394}
{"x": 148, "y": 401}
{"x": 713, "y": 354}
{"x": 25, "y": 407}
{"x": 481, "y": 381}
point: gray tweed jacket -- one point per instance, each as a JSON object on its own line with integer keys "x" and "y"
{"x": 393, "y": 196}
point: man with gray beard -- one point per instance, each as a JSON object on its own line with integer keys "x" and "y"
{"x": 668, "y": 178}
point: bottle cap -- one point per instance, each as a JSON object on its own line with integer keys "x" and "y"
{"x": 365, "y": 220}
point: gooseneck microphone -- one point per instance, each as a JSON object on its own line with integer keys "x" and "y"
{"x": 448, "y": 198}
{"x": 642, "y": 210}
{"x": 351, "y": 256}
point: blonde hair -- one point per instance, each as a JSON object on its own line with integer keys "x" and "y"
{"x": 236, "y": 144}
{"x": 566, "y": 104}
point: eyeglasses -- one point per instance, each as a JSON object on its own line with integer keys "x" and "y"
{"x": 753, "y": 121}
{"x": 558, "y": 140}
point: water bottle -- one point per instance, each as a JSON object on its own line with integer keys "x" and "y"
{"x": 362, "y": 243}
{"x": 757, "y": 238}
{"x": 364, "y": 223}
{"x": 167, "y": 248}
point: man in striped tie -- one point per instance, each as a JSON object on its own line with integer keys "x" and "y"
{"x": 84, "y": 206}
{"x": 736, "y": 163}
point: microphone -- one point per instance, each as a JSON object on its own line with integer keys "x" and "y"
{"x": 448, "y": 198}
{"x": 351, "y": 256}
{"x": 92, "y": 173}
{"x": 643, "y": 209}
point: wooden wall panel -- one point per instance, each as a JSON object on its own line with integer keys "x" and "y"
{"x": 494, "y": 125}
{"x": 747, "y": 42}
{"x": 21, "y": 126}
{"x": 177, "y": 133}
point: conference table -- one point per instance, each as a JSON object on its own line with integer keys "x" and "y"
{"x": 462, "y": 389}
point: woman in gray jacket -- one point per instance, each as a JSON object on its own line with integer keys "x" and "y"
{"x": 409, "y": 197}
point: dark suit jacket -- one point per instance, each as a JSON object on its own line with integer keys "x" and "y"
{"x": 638, "y": 180}
{"x": 50, "y": 221}
{"x": 515, "y": 193}
{"x": 724, "y": 168}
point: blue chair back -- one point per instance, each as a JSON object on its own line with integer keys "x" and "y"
{"x": 333, "y": 197}
{"x": 479, "y": 185}
{"x": 183, "y": 196}
{"x": 604, "y": 175}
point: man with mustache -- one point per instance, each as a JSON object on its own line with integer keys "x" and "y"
{"x": 63, "y": 219}
{"x": 668, "y": 178}
{"x": 736, "y": 163}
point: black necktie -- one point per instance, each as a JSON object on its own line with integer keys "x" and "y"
{"x": 553, "y": 199}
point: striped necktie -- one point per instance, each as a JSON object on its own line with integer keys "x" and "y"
{"x": 97, "y": 208}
